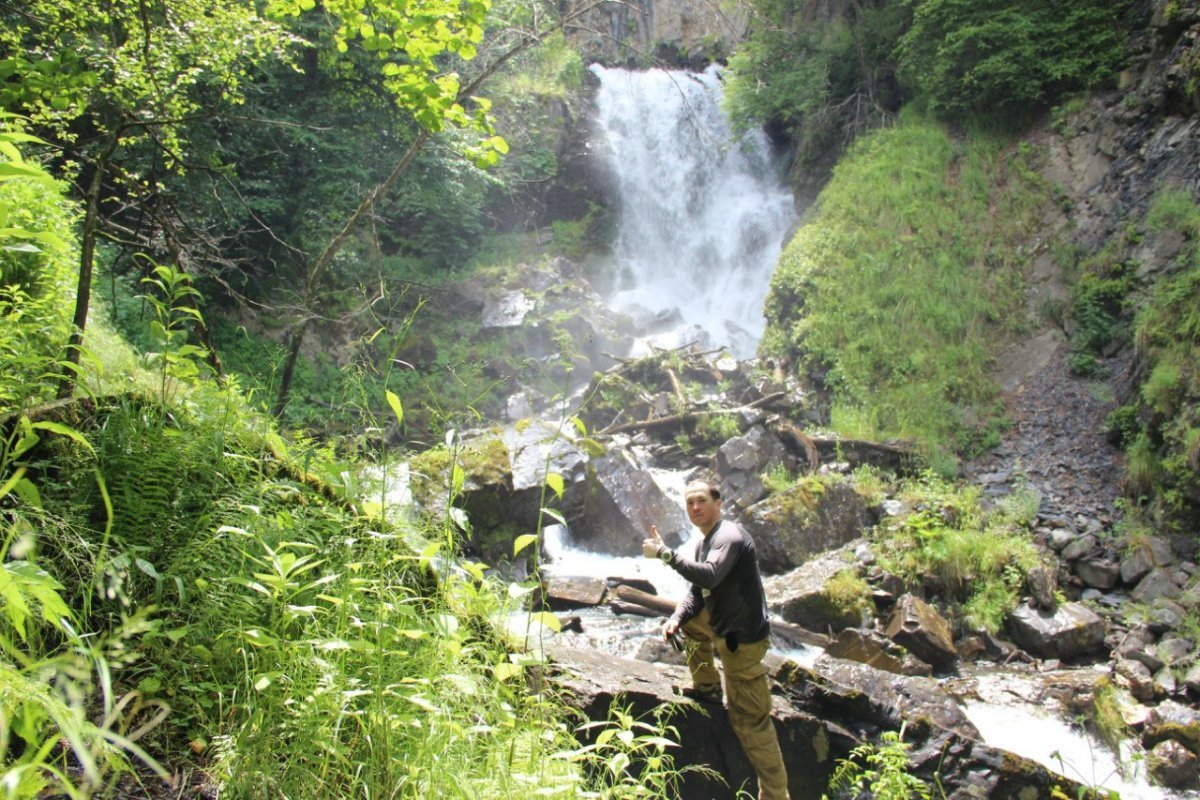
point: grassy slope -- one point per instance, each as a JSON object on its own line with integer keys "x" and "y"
{"x": 907, "y": 270}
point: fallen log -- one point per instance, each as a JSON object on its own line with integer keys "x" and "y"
{"x": 688, "y": 416}
{"x": 785, "y": 631}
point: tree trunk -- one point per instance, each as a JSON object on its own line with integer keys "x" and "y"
{"x": 87, "y": 259}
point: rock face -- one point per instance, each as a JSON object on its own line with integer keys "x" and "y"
{"x": 1069, "y": 632}
{"x": 691, "y": 30}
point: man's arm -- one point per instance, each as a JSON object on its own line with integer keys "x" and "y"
{"x": 722, "y": 556}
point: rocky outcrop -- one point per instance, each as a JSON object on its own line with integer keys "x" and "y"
{"x": 820, "y": 715}
{"x": 811, "y": 517}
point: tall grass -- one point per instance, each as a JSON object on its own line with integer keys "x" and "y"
{"x": 900, "y": 283}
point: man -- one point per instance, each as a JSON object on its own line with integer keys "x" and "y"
{"x": 726, "y": 605}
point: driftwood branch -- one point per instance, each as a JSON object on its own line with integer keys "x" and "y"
{"x": 689, "y": 416}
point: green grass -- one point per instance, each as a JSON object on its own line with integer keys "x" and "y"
{"x": 903, "y": 279}
{"x": 977, "y": 559}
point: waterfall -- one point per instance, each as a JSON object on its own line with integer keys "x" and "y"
{"x": 703, "y": 212}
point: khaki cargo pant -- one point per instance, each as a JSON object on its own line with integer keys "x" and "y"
{"x": 747, "y": 699}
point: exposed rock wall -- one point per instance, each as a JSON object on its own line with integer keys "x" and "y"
{"x": 640, "y": 31}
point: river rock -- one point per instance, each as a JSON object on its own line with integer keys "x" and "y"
{"x": 1080, "y": 547}
{"x": 621, "y": 501}
{"x": 1143, "y": 557}
{"x": 1099, "y": 573}
{"x": 1157, "y": 583}
{"x": 1173, "y": 765}
{"x": 1175, "y": 649}
{"x": 813, "y": 516}
{"x": 1172, "y": 720}
{"x": 872, "y": 649}
{"x": 742, "y": 460}
{"x": 1043, "y": 584}
{"x": 919, "y": 627}
{"x": 1192, "y": 679}
{"x": 1136, "y": 678}
{"x": 800, "y": 597}
{"x": 1071, "y": 631}
{"x": 562, "y": 594}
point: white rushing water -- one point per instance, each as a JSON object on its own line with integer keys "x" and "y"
{"x": 703, "y": 212}
{"x": 1054, "y": 744}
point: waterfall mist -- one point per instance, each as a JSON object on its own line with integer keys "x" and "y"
{"x": 703, "y": 212}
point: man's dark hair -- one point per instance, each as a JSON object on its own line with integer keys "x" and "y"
{"x": 713, "y": 488}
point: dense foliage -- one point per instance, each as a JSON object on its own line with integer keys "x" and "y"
{"x": 1002, "y": 59}
{"x": 1161, "y": 427}
{"x": 900, "y": 281}
{"x": 821, "y": 77}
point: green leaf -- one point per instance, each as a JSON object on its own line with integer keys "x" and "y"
{"x": 550, "y": 512}
{"x": 548, "y": 620}
{"x": 556, "y": 483}
{"x": 394, "y": 402}
{"x": 523, "y": 541}
{"x": 64, "y": 430}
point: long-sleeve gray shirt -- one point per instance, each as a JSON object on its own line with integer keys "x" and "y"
{"x": 724, "y": 579}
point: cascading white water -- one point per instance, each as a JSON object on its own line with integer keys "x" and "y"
{"x": 703, "y": 212}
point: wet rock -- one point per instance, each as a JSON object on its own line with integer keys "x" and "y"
{"x": 1069, "y": 632}
{"x": 621, "y": 501}
{"x": 1156, "y": 584}
{"x": 919, "y": 627}
{"x": 1098, "y": 573}
{"x": 800, "y": 596}
{"x": 867, "y": 647}
{"x": 562, "y": 594}
{"x": 813, "y": 516}
{"x": 1135, "y": 677}
{"x": 1173, "y": 720}
{"x": 1173, "y": 765}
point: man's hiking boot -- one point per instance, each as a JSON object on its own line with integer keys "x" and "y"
{"x": 704, "y": 692}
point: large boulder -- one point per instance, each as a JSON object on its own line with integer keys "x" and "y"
{"x": 814, "y": 516}
{"x": 1070, "y": 631}
{"x": 802, "y": 597}
{"x": 621, "y": 501}
{"x": 742, "y": 461}
{"x": 819, "y": 715}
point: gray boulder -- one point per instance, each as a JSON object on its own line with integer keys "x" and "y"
{"x": 1071, "y": 631}
{"x": 812, "y": 517}
{"x": 620, "y": 503}
{"x": 1173, "y": 765}
{"x": 919, "y": 627}
{"x": 801, "y": 597}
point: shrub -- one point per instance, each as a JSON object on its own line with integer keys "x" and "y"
{"x": 37, "y": 264}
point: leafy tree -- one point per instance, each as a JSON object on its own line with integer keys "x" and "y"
{"x": 817, "y": 80}
{"x": 113, "y": 85}
{"x": 1001, "y": 59}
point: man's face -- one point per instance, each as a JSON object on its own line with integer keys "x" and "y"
{"x": 702, "y": 509}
